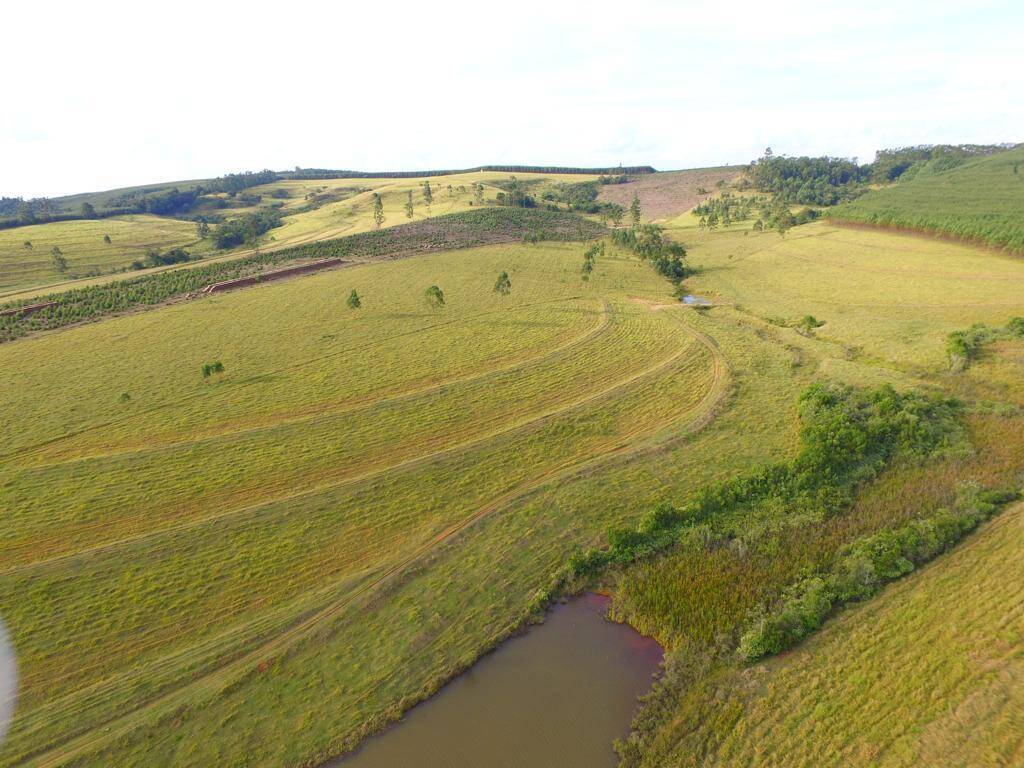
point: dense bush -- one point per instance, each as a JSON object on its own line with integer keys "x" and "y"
{"x": 963, "y": 347}
{"x": 246, "y": 228}
{"x": 847, "y": 436}
{"x": 648, "y": 241}
{"x": 808, "y": 180}
{"x": 863, "y": 569}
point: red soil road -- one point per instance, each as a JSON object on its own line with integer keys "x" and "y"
{"x": 669, "y": 193}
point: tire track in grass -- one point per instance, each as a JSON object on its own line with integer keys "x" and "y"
{"x": 211, "y": 683}
{"x": 522, "y": 424}
{"x": 357, "y": 403}
{"x": 36, "y": 447}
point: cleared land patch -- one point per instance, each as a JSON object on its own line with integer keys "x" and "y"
{"x": 670, "y": 193}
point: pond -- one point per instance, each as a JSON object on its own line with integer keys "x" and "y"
{"x": 556, "y": 696}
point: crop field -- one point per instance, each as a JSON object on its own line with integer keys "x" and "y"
{"x": 981, "y": 200}
{"x": 83, "y": 246}
{"x": 351, "y": 475}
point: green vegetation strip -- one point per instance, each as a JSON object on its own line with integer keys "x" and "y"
{"x": 441, "y": 233}
{"x": 848, "y": 436}
{"x": 865, "y": 567}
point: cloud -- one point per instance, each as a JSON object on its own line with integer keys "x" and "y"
{"x": 108, "y": 95}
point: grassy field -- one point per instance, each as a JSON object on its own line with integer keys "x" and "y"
{"x": 366, "y": 500}
{"x": 83, "y": 246}
{"x": 883, "y": 297}
{"x": 217, "y": 526}
{"x": 981, "y": 200}
{"x": 887, "y": 305}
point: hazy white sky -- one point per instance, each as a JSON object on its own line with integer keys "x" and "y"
{"x": 106, "y": 94}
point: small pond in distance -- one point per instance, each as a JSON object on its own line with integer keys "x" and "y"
{"x": 555, "y": 697}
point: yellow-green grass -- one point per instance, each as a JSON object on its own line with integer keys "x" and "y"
{"x": 890, "y": 297}
{"x": 404, "y": 621}
{"x": 83, "y": 246}
{"x": 163, "y": 545}
{"x": 365, "y": 500}
{"x": 931, "y": 672}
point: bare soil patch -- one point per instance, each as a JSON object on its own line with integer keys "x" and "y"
{"x": 670, "y": 193}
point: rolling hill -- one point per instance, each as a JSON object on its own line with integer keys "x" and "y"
{"x": 979, "y": 200}
{"x": 357, "y": 502}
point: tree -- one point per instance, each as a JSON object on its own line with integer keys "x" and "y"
{"x": 634, "y": 210}
{"x": 106, "y": 239}
{"x": 408, "y": 206}
{"x": 59, "y": 262}
{"x": 504, "y": 285}
{"x": 435, "y": 297}
{"x": 88, "y": 212}
{"x": 378, "y": 210}
{"x": 202, "y": 229}
{"x": 211, "y": 368}
{"x": 478, "y": 193}
{"x": 26, "y": 215}
{"x": 28, "y": 245}
{"x": 428, "y": 195}
{"x": 615, "y": 213}
{"x": 353, "y": 300}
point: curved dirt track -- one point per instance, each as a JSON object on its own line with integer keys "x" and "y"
{"x": 618, "y": 447}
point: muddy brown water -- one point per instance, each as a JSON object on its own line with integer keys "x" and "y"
{"x": 555, "y": 697}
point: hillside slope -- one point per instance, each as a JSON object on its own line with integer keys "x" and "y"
{"x": 929, "y": 673}
{"x": 979, "y": 200}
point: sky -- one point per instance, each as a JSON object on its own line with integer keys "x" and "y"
{"x": 109, "y": 94}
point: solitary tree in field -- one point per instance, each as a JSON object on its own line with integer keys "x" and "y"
{"x": 28, "y": 245}
{"x": 211, "y": 368}
{"x": 408, "y": 206}
{"x": 106, "y": 239}
{"x": 59, "y": 262}
{"x": 428, "y": 195}
{"x": 26, "y": 214}
{"x": 504, "y": 285}
{"x": 478, "y": 193}
{"x": 435, "y": 297}
{"x": 202, "y": 229}
{"x": 634, "y": 210}
{"x": 615, "y": 213}
{"x": 353, "y": 300}
{"x": 378, "y": 210}
{"x": 451, "y": 191}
